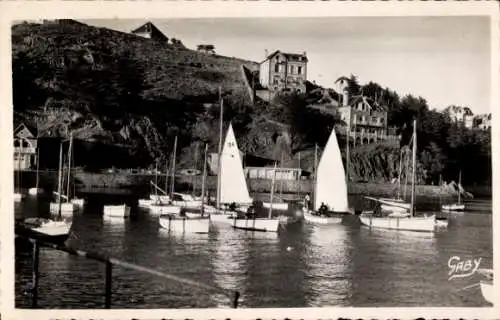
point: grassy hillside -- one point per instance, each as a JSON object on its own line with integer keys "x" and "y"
{"x": 120, "y": 89}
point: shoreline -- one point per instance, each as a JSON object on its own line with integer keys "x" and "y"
{"x": 141, "y": 183}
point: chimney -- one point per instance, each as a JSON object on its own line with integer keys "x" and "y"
{"x": 266, "y": 53}
{"x": 305, "y": 54}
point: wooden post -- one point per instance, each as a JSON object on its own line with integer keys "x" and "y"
{"x": 108, "y": 284}
{"x": 34, "y": 289}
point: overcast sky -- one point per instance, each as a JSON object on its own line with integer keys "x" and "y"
{"x": 446, "y": 60}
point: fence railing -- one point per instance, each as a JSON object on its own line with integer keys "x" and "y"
{"x": 109, "y": 262}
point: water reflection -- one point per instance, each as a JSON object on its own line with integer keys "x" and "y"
{"x": 327, "y": 262}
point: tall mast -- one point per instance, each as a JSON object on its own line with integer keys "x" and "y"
{"x": 272, "y": 192}
{"x": 459, "y": 184}
{"x": 173, "y": 169}
{"x": 315, "y": 173}
{"x": 406, "y": 173}
{"x": 59, "y": 186}
{"x": 220, "y": 148}
{"x": 414, "y": 159}
{"x": 347, "y": 162}
{"x": 156, "y": 176}
{"x": 193, "y": 182}
{"x": 399, "y": 174}
{"x": 166, "y": 174}
{"x": 203, "y": 181}
{"x": 37, "y": 164}
{"x": 69, "y": 165}
{"x": 298, "y": 178}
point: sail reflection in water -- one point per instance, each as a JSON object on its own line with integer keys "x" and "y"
{"x": 327, "y": 262}
{"x": 228, "y": 265}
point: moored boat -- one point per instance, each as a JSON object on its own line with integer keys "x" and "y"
{"x": 164, "y": 209}
{"x": 256, "y": 224}
{"x": 35, "y": 191}
{"x": 455, "y": 207}
{"x": 44, "y": 229}
{"x": 178, "y": 224}
{"x": 330, "y": 195}
{"x": 317, "y": 219}
{"x": 402, "y": 220}
{"x": 18, "y": 197}
{"x": 116, "y": 211}
{"x": 67, "y": 208}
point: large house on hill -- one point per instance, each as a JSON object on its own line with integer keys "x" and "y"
{"x": 462, "y": 115}
{"x": 150, "y": 31}
{"x": 281, "y": 71}
{"x": 366, "y": 118}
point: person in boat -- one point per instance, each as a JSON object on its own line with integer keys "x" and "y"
{"x": 232, "y": 206}
{"x": 250, "y": 213}
{"x": 377, "y": 211}
{"x": 323, "y": 209}
{"x": 307, "y": 201}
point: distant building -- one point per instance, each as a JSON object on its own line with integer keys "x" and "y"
{"x": 150, "y": 31}
{"x": 462, "y": 115}
{"x": 365, "y": 117}
{"x": 483, "y": 121}
{"x": 25, "y": 145}
{"x": 206, "y": 48}
{"x": 268, "y": 172}
{"x": 281, "y": 71}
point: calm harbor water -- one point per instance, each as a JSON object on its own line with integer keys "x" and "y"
{"x": 301, "y": 266}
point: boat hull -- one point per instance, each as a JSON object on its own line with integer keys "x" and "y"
{"x": 453, "y": 207}
{"x": 117, "y": 211}
{"x": 257, "y": 224}
{"x": 276, "y": 206}
{"x": 35, "y": 191}
{"x": 52, "y": 231}
{"x": 18, "y": 197}
{"x": 487, "y": 290}
{"x": 160, "y": 198}
{"x": 184, "y": 224}
{"x": 311, "y": 218}
{"x": 145, "y": 202}
{"x": 164, "y": 209}
{"x": 78, "y": 202}
{"x": 66, "y": 207}
{"x": 425, "y": 224}
{"x": 224, "y": 218}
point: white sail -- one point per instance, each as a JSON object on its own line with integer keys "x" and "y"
{"x": 331, "y": 186}
{"x": 233, "y": 187}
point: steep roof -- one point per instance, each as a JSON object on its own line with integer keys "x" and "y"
{"x": 287, "y": 55}
{"x": 150, "y": 27}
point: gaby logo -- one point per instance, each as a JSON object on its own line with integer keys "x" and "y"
{"x": 462, "y": 268}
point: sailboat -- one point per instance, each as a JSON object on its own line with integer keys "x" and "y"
{"x": 59, "y": 206}
{"x": 280, "y": 205}
{"x": 166, "y": 207}
{"x": 44, "y": 229}
{"x": 397, "y": 205}
{"x": 36, "y": 190}
{"x": 405, "y": 221}
{"x": 173, "y": 219}
{"x": 330, "y": 191}
{"x": 455, "y": 206}
{"x": 155, "y": 198}
{"x": 78, "y": 202}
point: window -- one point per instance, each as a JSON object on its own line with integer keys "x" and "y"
{"x": 276, "y": 67}
{"x": 291, "y": 69}
{"x": 299, "y": 70}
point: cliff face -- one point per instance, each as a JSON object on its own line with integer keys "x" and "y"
{"x": 118, "y": 89}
